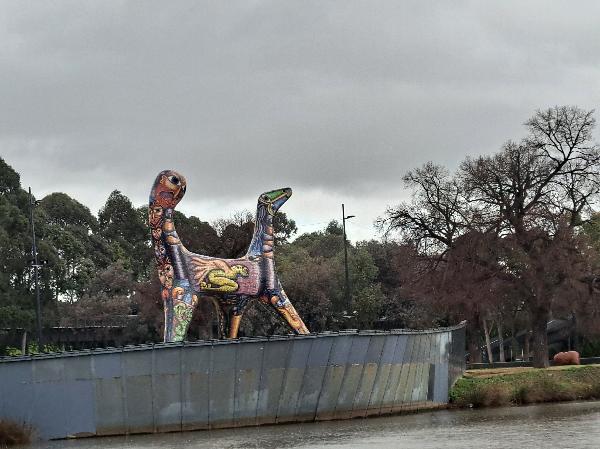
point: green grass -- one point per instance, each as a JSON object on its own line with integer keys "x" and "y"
{"x": 527, "y": 387}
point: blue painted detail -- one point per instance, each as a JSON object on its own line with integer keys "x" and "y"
{"x": 281, "y": 298}
{"x": 185, "y": 284}
{"x": 263, "y": 219}
{"x": 169, "y": 317}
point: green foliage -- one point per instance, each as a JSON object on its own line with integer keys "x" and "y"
{"x": 32, "y": 349}
{"x": 16, "y": 314}
{"x": 197, "y": 236}
{"x": 363, "y": 271}
{"x": 323, "y": 244}
{"x": 12, "y": 352}
{"x": 62, "y": 210}
{"x": 283, "y": 228}
{"x": 590, "y": 348}
{"x": 312, "y": 271}
{"x": 367, "y": 303}
{"x": 16, "y": 307}
{"x": 102, "y": 269}
{"x": 311, "y": 284}
{"x": 9, "y": 179}
{"x": 126, "y": 231}
{"x": 334, "y": 228}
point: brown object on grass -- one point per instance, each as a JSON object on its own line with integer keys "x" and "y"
{"x": 567, "y": 358}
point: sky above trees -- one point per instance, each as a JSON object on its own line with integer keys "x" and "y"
{"x": 337, "y": 100}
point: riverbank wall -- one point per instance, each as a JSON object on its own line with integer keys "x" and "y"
{"x": 232, "y": 383}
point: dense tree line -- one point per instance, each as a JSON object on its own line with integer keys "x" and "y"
{"x": 510, "y": 238}
{"x": 507, "y": 242}
{"x": 99, "y": 270}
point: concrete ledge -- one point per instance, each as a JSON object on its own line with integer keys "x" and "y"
{"x": 518, "y": 364}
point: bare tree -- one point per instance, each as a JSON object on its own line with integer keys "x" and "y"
{"x": 435, "y": 216}
{"x": 238, "y": 218}
{"x": 530, "y": 196}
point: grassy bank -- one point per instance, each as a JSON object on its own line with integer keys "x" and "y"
{"x": 12, "y": 434}
{"x": 516, "y": 386}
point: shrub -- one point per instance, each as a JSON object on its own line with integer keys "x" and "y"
{"x": 528, "y": 387}
{"x": 12, "y": 433}
{"x": 482, "y": 395}
{"x": 544, "y": 389}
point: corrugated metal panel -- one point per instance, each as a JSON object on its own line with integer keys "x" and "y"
{"x": 137, "y": 376}
{"x": 382, "y": 376}
{"x": 248, "y": 368}
{"x": 368, "y": 375}
{"x": 312, "y": 383}
{"x": 274, "y": 364}
{"x": 352, "y": 375}
{"x": 213, "y": 384}
{"x": 334, "y": 375}
{"x": 166, "y": 387}
{"x": 221, "y": 388}
{"x": 195, "y": 383}
{"x": 398, "y": 365}
{"x": 293, "y": 377}
{"x": 110, "y": 399}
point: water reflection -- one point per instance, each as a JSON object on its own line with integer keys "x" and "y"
{"x": 567, "y": 425}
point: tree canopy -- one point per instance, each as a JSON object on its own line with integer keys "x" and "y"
{"x": 509, "y": 224}
{"x": 508, "y": 241}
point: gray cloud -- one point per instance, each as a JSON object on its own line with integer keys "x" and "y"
{"x": 337, "y": 99}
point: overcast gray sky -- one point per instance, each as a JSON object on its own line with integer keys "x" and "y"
{"x": 336, "y": 99}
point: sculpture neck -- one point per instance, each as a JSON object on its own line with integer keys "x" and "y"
{"x": 163, "y": 232}
{"x": 262, "y": 240}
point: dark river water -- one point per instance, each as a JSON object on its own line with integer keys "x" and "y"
{"x": 566, "y": 425}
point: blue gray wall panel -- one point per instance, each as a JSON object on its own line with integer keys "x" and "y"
{"x": 216, "y": 384}
{"x": 195, "y": 375}
{"x": 314, "y": 374}
{"x": 368, "y": 375}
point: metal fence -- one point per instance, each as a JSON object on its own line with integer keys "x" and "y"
{"x": 216, "y": 384}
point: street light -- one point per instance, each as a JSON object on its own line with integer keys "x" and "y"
{"x": 347, "y": 286}
{"x": 36, "y": 266}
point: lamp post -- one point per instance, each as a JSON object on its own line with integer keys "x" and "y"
{"x": 347, "y": 286}
{"x": 36, "y": 266}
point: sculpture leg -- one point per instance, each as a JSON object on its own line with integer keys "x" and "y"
{"x": 182, "y": 316}
{"x": 281, "y": 303}
{"x": 168, "y": 309}
{"x": 234, "y": 325}
{"x": 237, "y": 312}
{"x": 220, "y": 317}
{"x": 165, "y": 275}
{"x": 183, "y": 301}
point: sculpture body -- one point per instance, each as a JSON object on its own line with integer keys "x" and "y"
{"x": 231, "y": 283}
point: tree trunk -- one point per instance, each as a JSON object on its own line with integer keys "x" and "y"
{"x": 501, "y": 339}
{"x": 574, "y": 335}
{"x": 488, "y": 344}
{"x": 24, "y": 343}
{"x": 473, "y": 344}
{"x": 527, "y": 346}
{"x": 515, "y": 348}
{"x": 540, "y": 340}
{"x": 474, "y": 352}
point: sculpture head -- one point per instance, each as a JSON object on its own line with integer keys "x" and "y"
{"x": 274, "y": 199}
{"x": 168, "y": 189}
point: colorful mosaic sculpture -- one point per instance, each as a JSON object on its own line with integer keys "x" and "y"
{"x": 231, "y": 283}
